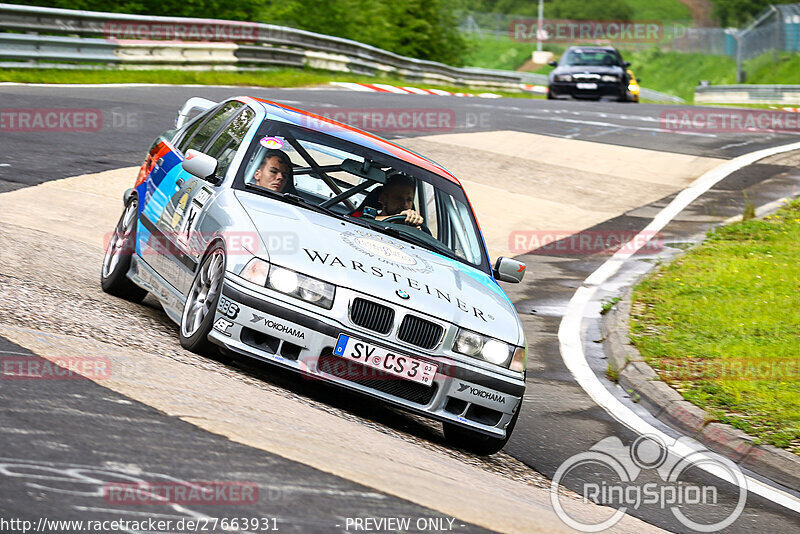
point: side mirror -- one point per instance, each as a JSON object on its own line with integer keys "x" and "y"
{"x": 553, "y": 63}
{"x": 508, "y": 270}
{"x": 626, "y": 64}
{"x": 200, "y": 165}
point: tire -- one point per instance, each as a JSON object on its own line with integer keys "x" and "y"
{"x": 550, "y": 95}
{"x": 475, "y": 442}
{"x": 117, "y": 261}
{"x": 197, "y": 318}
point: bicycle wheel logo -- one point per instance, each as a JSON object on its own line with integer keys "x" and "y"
{"x": 650, "y": 473}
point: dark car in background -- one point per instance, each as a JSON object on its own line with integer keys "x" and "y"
{"x": 590, "y": 73}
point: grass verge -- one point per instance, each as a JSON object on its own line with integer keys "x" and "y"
{"x": 722, "y": 326}
{"x": 262, "y": 78}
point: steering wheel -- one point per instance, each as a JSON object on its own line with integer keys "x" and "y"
{"x": 402, "y": 219}
{"x": 395, "y": 219}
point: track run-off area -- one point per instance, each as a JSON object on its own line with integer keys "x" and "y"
{"x": 321, "y": 458}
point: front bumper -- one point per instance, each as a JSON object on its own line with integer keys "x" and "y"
{"x": 296, "y": 338}
{"x": 571, "y": 90}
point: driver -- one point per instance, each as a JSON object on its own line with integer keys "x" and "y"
{"x": 275, "y": 171}
{"x": 397, "y": 198}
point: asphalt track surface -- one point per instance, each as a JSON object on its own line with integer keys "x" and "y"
{"x": 558, "y": 419}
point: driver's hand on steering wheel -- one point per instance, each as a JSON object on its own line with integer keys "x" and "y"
{"x": 413, "y": 218}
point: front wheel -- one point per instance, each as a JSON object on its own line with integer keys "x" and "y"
{"x": 117, "y": 261}
{"x": 475, "y": 442}
{"x": 201, "y": 302}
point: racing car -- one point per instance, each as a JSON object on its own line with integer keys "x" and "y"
{"x": 269, "y": 232}
{"x": 591, "y": 73}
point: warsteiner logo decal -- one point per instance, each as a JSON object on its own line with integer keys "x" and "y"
{"x": 386, "y": 251}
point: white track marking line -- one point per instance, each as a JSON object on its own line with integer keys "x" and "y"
{"x": 571, "y": 343}
{"x": 622, "y": 126}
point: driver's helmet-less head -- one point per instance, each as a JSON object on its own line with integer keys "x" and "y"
{"x": 398, "y": 193}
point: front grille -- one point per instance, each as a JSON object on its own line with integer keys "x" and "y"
{"x": 420, "y": 332}
{"x": 375, "y": 379}
{"x": 372, "y": 316}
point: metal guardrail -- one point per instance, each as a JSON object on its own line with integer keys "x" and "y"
{"x": 747, "y": 94}
{"x": 53, "y": 48}
{"x": 262, "y": 45}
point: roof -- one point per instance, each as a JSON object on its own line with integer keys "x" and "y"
{"x": 349, "y": 133}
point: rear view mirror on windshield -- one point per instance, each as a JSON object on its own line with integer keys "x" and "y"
{"x": 364, "y": 170}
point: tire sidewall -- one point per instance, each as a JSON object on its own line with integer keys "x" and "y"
{"x": 199, "y": 340}
{"x": 117, "y": 282}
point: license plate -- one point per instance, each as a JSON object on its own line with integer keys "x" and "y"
{"x": 587, "y": 86}
{"x": 384, "y": 360}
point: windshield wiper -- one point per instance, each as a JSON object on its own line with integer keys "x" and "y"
{"x": 434, "y": 245}
{"x": 291, "y": 198}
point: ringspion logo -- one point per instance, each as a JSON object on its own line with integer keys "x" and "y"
{"x": 610, "y": 474}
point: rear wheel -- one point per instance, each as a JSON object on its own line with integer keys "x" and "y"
{"x": 475, "y": 442}
{"x": 117, "y": 261}
{"x": 201, "y": 303}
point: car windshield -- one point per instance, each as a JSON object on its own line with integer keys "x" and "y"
{"x": 354, "y": 182}
{"x": 590, "y": 58}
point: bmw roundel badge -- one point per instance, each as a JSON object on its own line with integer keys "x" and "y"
{"x": 402, "y": 294}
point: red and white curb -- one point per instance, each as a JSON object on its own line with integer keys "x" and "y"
{"x": 541, "y": 89}
{"x": 403, "y": 90}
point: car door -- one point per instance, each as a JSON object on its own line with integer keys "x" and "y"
{"x": 187, "y": 208}
{"x": 164, "y": 188}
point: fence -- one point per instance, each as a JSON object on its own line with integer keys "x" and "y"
{"x": 84, "y": 37}
{"x": 777, "y": 28}
{"x": 787, "y": 95}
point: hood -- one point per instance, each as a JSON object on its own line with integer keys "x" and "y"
{"x": 382, "y": 267}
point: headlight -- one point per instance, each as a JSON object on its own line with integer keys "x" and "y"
{"x": 609, "y": 78}
{"x": 478, "y": 346}
{"x": 301, "y": 286}
{"x": 289, "y": 282}
{"x": 563, "y": 78}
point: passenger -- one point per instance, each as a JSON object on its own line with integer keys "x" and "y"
{"x": 275, "y": 172}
